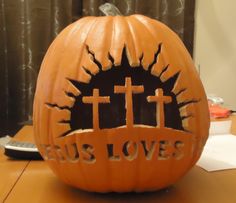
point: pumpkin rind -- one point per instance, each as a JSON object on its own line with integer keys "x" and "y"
{"x": 71, "y": 55}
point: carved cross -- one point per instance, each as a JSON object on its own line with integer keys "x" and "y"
{"x": 160, "y": 100}
{"x": 95, "y": 100}
{"x": 129, "y": 90}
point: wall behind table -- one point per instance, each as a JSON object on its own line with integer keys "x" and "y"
{"x": 215, "y": 47}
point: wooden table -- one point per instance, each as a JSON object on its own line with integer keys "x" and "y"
{"x": 33, "y": 182}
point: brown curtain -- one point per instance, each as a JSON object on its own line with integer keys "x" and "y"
{"x": 27, "y": 28}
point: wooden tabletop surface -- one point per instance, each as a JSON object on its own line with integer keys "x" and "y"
{"x": 33, "y": 182}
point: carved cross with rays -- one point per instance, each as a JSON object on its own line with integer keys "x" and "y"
{"x": 95, "y": 100}
{"x": 160, "y": 100}
{"x": 129, "y": 90}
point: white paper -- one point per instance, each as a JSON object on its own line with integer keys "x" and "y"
{"x": 220, "y": 127}
{"x": 219, "y": 153}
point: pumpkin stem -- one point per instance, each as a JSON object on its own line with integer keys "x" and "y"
{"x": 109, "y": 10}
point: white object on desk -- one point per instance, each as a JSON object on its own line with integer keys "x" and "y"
{"x": 220, "y": 127}
{"x": 219, "y": 153}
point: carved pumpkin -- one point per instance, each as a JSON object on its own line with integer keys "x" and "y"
{"x": 119, "y": 105}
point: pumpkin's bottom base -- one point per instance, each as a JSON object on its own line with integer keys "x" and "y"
{"x": 121, "y": 189}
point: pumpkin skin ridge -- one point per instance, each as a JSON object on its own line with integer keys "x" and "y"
{"x": 56, "y": 168}
{"x": 51, "y": 49}
{"x": 86, "y": 182}
{"x": 152, "y": 47}
{"x": 198, "y": 136}
{"x": 129, "y": 45}
{"x": 82, "y": 51}
{"x": 196, "y": 111}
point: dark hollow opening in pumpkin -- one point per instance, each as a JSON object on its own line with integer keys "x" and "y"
{"x": 113, "y": 114}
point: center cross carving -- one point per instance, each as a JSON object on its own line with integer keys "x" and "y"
{"x": 129, "y": 90}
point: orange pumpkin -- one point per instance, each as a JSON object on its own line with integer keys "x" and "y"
{"x": 119, "y": 105}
